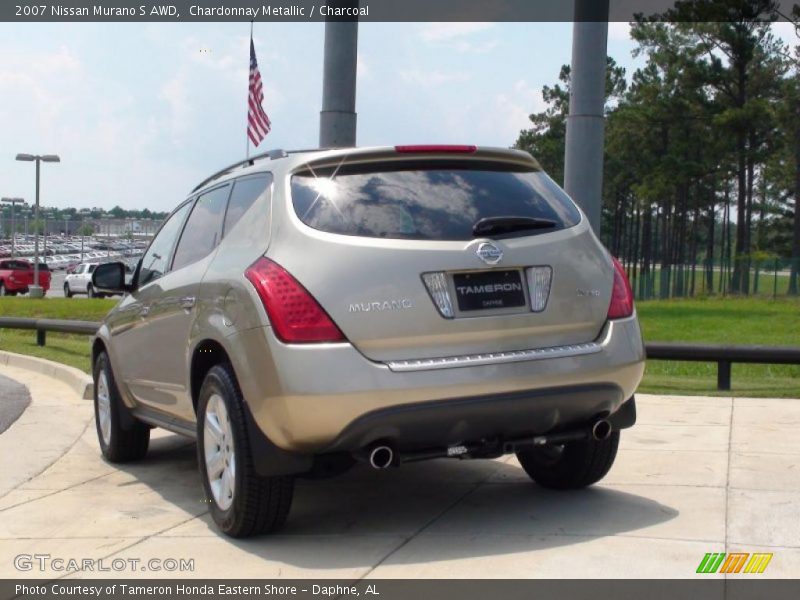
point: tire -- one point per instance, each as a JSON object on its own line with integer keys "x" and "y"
{"x": 242, "y": 504}
{"x": 67, "y": 292}
{"x": 90, "y": 291}
{"x": 571, "y": 466}
{"x": 122, "y": 438}
{"x": 3, "y": 290}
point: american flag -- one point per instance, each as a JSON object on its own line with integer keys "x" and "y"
{"x": 258, "y": 124}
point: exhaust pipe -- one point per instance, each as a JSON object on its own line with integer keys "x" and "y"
{"x": 381, "y": 457}
{"x": 601, "y": 429}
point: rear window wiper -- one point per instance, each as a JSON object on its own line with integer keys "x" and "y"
{"x": 500, "y": 225}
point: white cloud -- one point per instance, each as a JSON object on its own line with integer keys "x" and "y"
{"x": 362, "y": 69}
{"x": 443, "y": 32}
{"x": 175, "y": 92}
{"x": 431, "y": 78}
{"x": 786, "y": 32}
{"x": 619, "y": 31}
{"x": 456, "y": 36}
{"x": 513, "y": 107}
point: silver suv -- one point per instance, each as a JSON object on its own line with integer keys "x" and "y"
{"x": 303, "y": 311}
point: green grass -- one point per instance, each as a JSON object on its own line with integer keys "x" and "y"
{"x": 73, "y": 350}
{"x": 706, "y": 320}
{"x": 722, "y": 321}
{"x": 769, "y": 283}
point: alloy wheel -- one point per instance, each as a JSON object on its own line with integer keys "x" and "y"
{"x": 219, "y": 452}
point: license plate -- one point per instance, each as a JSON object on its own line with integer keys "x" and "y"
{"x": 489, "y": 290}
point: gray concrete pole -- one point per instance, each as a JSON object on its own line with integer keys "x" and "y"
{"x": 583, "y": 160}
{"x": 337, "y": 120}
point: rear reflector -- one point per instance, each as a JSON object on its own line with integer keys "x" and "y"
{"x": 539, "y": 286}
{"x": 437, "y": 288}
{"x": 295, "y": 316}
{"x": 621, "y": 295}
{"x": 446, "y": 148}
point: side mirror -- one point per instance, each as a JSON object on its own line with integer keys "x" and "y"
{"x": 110, "y": 278}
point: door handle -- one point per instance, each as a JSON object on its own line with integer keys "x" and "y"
{"x": 144, "y": 311}
{"x": 187, "y": 302}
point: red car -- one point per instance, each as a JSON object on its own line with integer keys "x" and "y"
{"x": 16, "y": 277}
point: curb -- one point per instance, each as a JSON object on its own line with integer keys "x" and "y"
{"x": 74, "y": 378}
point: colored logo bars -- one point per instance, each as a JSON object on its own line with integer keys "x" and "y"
{"x": 734, "y": 562}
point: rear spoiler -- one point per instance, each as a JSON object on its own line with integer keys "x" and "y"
{"x": 386, "y": 154}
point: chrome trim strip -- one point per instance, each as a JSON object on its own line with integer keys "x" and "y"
{"x": 495, "y": 358}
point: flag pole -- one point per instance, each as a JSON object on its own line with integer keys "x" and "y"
{"x": 247, "y": 124}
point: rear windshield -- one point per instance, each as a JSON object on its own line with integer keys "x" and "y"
{"x": 15, "y": 265}
{"x": 424, "y": 202}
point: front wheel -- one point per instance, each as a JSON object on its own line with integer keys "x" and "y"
{"x": 242, "y": 503}
{"x": 572, "y": 465}
{"x": 121, "y": 437}
{"x": 67, "y": 291}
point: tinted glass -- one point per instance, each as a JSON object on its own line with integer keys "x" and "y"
{"x": 245, "y": 191}
{"x": 92, "y": 268}
{"x": 427, "y": 203}
{"x": 15, "y": 265}
{"x": 203, "y": 229}
{"x": 156, "y": 259}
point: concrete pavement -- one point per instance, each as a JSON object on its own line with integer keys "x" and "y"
{"x": 695, "y": 475}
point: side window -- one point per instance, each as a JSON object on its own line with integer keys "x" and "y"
{"x": 156, "y": 259}
{"x": 203, "y": 228}
{"x": 91, "y": 268}
{"x": 245, "y": 192}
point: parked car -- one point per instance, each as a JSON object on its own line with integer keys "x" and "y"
{"x": 17, "y": 275}
{"x": 80, "y": 281}
{"x": 304, "y": 311}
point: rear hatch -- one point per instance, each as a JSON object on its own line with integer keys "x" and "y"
{"x": 432, "y": 254}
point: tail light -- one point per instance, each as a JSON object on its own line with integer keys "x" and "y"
{"x": 295, "y": 316}
{"x": 621, "y": 295}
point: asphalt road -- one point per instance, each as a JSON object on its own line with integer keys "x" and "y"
{"x": 57, "y": 285}
{"x": 14, "y": 399}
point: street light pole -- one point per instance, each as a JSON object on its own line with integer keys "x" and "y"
{"x": 13, "y": 202}
{"x": 46, "y": 217}
{"x": 36, "y": 290}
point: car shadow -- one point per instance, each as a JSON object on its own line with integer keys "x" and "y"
{"x": 490, "y": 504}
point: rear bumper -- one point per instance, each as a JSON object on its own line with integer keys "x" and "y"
{"x": 469, "y": 420}
{"x": 323, "y": 398}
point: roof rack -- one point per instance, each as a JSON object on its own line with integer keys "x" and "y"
{"x": 248, "y": 162}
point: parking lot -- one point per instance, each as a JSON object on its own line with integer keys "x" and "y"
{"x": 695, "y": 475}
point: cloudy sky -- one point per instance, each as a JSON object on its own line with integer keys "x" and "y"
{"x": 141, "y": 113}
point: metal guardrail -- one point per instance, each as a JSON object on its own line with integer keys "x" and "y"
{"x": 42, "y": 326}
{"x": 723, "y": 355}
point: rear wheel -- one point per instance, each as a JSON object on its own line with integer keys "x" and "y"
{"x": 122, "y": 438}
{"x": 570, "y": 466}
{"x": 90, "y": 291}
{"x": 242, "y": 503}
